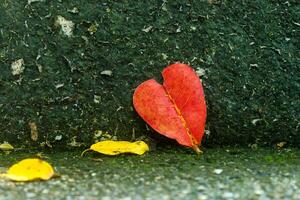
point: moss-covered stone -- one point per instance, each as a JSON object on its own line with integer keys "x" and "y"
{"x": 248, "y": 50}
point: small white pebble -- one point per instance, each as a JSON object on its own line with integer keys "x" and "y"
{"x": 97, "y": 99}
{"x": 107, "y": 72}
{"x": 32, "y": 1}
{"x": 253, "y": 65}
{"x": 254, "y": 121}
{"x": 165, "y": 56}
{"x": 202, "y": 197}
{"x": 200, "y": 71}
{"x": 67, "y": 26}
{"x": 58, "y": 137}
{"x": 228, "y": 195}
{"x": 60, "y": 85}
{"x": 201, "y": 188}
{"x": 17, "y": 67}
{"x": 147, "y": 29}
{"x": 193, "y": 28}
{"x": 218, "y": 171}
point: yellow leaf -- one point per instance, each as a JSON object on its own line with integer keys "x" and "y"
{"x": 109, "y": 147}
{"x": 5, "y": 146}
{"x": 30, "y": 169}
{"x": 281, "y": 144}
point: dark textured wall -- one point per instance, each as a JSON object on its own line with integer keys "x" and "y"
{"x": 247, "y": 51}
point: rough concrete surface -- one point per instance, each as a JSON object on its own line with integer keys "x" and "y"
{"x": 165, "y": 173}
{"x": 70, "y": 67}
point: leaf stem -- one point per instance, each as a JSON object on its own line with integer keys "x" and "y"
{"x": 197, "y": 149}
{"x": 85, "y": 151}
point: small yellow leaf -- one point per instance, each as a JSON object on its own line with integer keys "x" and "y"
{"x": 30, "y": 169}
{"x": 281, "y": 144}
{"x": 5, "y": 146}
{"x": 109, "y": 147}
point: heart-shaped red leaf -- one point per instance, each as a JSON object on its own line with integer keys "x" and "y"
{"x": 175, "y": 109}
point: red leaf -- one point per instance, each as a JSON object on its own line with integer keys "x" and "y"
{"x": 175, "y": 109}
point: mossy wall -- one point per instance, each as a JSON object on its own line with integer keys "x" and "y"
{"x": 246, "y": 51}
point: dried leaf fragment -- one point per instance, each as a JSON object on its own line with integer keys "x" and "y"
{"x": 33, "y": 131}
{"x": 281, "y": 144}
{"x": 110, "y": 147}
{"x": 30, "y": 169}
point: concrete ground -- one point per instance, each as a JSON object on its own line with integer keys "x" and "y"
{"x": 245, "y": 52}
{"x": 164, "y": 173}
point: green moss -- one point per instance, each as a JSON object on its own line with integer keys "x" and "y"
{"x": 249, "y": 51}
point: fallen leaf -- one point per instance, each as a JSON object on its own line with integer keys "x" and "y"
{"x": 110, "y": 147}
{"x": 5, "y": 146}
{"x": 175, "y": 109}
{"x": 281, "y": 144}
{"x": 33, "y": 131}
{"x": 30, "y": 169}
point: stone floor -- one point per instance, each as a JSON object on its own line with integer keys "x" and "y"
{"x": 162, "y": 174}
